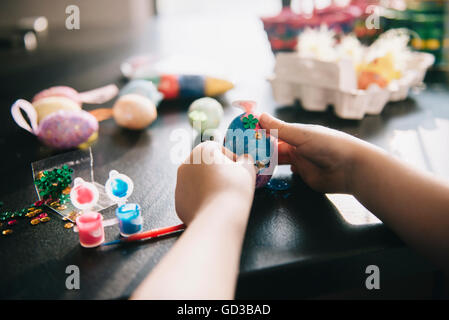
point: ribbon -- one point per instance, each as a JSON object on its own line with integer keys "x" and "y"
{"x": 30, "y": 112}
{"x": 99, "y": 95}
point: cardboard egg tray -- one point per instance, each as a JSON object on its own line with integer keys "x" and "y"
{"x": 318, "y": 84}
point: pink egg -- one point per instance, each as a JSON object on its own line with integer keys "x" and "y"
{"x": 59, "y": 91}
{"x": 67, "y": 129}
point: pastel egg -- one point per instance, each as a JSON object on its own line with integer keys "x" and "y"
{"x": 205, "y": 113}
{"x": 67, "y": 129}
{"x": 59, "y": 91}
{"x": 143, "y": 87}
{"x": 134, "y": 111}
{"x": 46, "y": 106}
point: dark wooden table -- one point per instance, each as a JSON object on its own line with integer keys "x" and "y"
{"x": 297, "y": 244}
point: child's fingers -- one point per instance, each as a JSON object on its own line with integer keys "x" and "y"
{"x": 288, "y": 132}
{"x": 285, "y": 155}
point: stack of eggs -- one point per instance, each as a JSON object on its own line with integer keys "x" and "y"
{"x": 57, "y": 118}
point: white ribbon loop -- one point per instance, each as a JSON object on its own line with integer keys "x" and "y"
{"x": 30, "y": 112}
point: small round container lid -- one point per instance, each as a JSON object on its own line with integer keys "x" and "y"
{"x": 84, "y": 195}
{"x": 119, "y": 186}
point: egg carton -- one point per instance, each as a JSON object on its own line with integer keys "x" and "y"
{"x": 318, "y": 84}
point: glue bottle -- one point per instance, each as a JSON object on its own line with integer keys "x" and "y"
{"x": 84, "y": 195}
{"x": 118, "y": 188}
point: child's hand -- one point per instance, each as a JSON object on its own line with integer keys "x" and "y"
{"x": 212, "y": 177}
{"x": 323, "y": 157}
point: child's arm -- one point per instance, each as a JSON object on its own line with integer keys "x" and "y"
{"x": 413, "y": 203}
{"x": 214, "y": 200}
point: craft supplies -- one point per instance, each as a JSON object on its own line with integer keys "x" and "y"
{"x": 58, "y": 172}
{"x": 63, "y": 129}
{"x": 205, "y": 113}
{"x": 148, "y": 234}
{"x": 134, "y": 111}
{"x": 56, "y": 118}
{"x": 118, "y": 188}
{"x": 191, "y": 86}
{"x": 246, "y": 136}
{"x": 84, "y": 196}
{"x": 174, "y": 86}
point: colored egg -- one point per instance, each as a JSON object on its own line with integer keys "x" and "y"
{"x": 205, "y": 113}
{"x": 119, "y": 188}
{"x": 67, "y": 129}
{"x": 59, "y": 91}
{"x": 367, "y": 78}
{"x": 245, "y": 136}
{"x": 144, "y": 88}
{"x": 133, "y": 111}
{"x": 49, "y": 105}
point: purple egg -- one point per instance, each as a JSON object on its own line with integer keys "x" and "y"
{"x": 67, "y": 129}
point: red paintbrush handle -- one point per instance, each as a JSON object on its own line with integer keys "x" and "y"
{"x": 155, "y": 233}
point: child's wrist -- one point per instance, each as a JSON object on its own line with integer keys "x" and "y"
{"x": 231, "y": 208}
{"x": 363, "y": 155}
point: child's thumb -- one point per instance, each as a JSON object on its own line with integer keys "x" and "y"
{"x": 288, "y": 132}
{"x": 246, "y": 161}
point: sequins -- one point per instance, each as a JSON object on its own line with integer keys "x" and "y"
{"x": 54, "y": 204}
{"x": 12, "y": 222}
{"x": 35, "y": 221}
{"x": 30, "y": 214}
{"x": 44, "y": 219}
{"x": 7, "y": 232}
{"x": 42, "y": 215}
{"x": 68, "y": 225}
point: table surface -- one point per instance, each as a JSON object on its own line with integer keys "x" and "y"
{"x": 298, "y": 243}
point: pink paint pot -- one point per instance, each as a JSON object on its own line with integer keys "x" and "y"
{"x": 90, "y": 229}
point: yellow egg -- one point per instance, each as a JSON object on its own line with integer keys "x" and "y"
{"x": 133, "y": 111}
{"x": 49, "y": 105}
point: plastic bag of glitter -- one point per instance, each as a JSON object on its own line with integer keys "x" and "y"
{"x": 81, "y": 162}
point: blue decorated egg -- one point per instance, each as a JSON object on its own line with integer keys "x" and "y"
{"x": 245, "y": 136}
